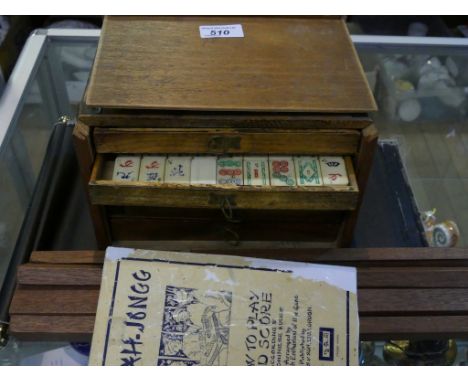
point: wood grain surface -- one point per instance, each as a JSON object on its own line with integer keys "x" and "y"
{"x": 223, "y": 141}
{"x": 413, "y": 328}
{"x": 55, "y": 301}
{"x": 86, "y": 155}
{"x": 363, "y": 164}
{"x": 357, "y": 257}
{"x": 31, "y": 274}
{"x": 403, "y": 293}
{"x": 238, "y": 214}
{"x": 66, "y": 257}
{"x": 289, "y": 64}
{"x": 107, "y": 192}
{"x": 128, "y": 228}
{"x": 371, "y": 301}
{"x": 229, "y": 120}
{"x": 369, "y": 277}
{"x": 80, "y": 328}
{"x": 53, "y": 328}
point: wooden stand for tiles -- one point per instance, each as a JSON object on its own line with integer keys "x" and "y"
{"x": 403, "y": 293}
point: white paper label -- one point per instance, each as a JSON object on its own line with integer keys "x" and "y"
{"x": 221, "y": 31}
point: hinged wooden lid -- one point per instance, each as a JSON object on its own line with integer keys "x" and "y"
{"x": 282, "y": 64}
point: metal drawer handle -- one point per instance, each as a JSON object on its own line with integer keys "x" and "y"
{"x": 224, "y": 143}
{"x": 227, "y": 210}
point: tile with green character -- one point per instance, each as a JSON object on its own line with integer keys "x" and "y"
{"x": 256, "y": 171}
{"x": 308, "y": 171}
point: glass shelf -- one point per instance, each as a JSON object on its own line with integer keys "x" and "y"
{"x": 427, "y": 116}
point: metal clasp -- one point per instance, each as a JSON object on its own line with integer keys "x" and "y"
{"x": 224, "y": 143}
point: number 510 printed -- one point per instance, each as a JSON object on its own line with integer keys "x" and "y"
{"x": 221, "y": 31}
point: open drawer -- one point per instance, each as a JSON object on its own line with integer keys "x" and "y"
{"x": 105, "y": 191}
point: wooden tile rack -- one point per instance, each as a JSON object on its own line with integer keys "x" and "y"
{"x": 403, "y": 293}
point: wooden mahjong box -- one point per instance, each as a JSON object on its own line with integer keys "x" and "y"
{"x": 221, "y": 131}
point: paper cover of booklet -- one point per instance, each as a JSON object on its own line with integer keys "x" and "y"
{"x": 171, "y": 308}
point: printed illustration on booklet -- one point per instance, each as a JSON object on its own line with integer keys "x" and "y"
{"x": 195, "y": 328}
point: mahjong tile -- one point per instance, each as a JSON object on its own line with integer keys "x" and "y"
{"x": 307, "y": 171}
{"x": 334, "y": 171}
{"x": 177, "y": 170}
{"x": 152, "y": 168}
{"x": 256, "y": 171}
{"x": 229, "y": 171}
{"x": 282, "y": 171}
{"x": 203, "y": 170}
{"x": 126, "y": 168}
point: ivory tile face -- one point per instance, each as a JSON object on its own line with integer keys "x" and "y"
{"x": 334, "y": 171}
{"x": 282, "y": 171}
{"x": 152, "y": 168}
{"x": 177, "y": 170}
{"x": 203, "y": 170}
{"x": 307, "y": 171}
{"x": 126, "y": 168}
{"x": 256, "y": 171}
{"x": 229, "y": 171}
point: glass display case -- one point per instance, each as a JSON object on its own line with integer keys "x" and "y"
{"x": 421, "y": 87}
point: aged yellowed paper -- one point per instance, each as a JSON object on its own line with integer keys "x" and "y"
{"x": 167, "y": 308}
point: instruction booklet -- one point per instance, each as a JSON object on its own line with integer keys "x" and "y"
{"x": 172, "y": 308}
